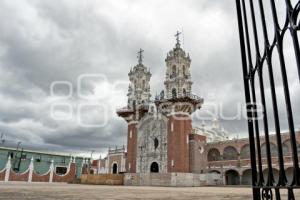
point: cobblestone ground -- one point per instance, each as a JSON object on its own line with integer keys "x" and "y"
{"x": 40, "y": 191}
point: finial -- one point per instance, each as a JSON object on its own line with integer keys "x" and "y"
{"x": 177, "y": 38}
{"x": 140, "y": 56}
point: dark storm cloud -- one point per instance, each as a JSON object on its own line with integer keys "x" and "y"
{"x": 42, "y": 42}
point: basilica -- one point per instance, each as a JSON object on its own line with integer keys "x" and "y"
{"x": 164, "y": 149}
{"x": 159, "y": 131}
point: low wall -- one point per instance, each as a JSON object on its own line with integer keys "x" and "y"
{"x": 165, "y": 179}
{"x": 7, "y": 174}
{"x": 102, "y": 179}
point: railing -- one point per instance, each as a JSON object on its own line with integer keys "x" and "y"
{"x": 257, "y": 52}
{"x": 191, "y": 96}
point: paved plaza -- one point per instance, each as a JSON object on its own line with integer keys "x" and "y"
{"x": 39, "y": 191}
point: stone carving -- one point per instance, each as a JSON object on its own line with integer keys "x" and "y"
{"x": 152, "y": 143}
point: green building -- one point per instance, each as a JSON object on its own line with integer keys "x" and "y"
{"x": 20, "y": 160}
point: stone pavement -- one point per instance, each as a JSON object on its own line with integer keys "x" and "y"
{"x": 41, "y": 191}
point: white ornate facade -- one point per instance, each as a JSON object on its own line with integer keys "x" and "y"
{"x": 139, "y": 87}
{"x": 178, "y": 78}
{"x": 213, "y": 132}
{"x": 152, "y": 143}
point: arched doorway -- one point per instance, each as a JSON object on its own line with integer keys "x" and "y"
{"x": 247, "y": 177}
{"x": 232, "y": 177}
{"x": 289, "y": 172}
{"x": 154, "y": 168}
{"x": 275, "y": 174}
{"x": 115, "y": 168}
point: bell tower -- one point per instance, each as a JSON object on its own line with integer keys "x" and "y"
{"x": 137, "y": 105}
{"x": 178, "y": 103}
{"x": 178, "y": 78}
{"x": 139, "y": 87}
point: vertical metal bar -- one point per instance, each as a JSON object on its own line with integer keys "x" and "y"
{"x": 296, "y": 48}
{"x": 259, "y": 69}
{"x": 252, "y": 82}
{"x": 256, "y": 192}
{"x": 293, "y": 20}
{"x": 249, "y": 72}
{"x": 268, "y": 52}
{"x": 279, "y": 39}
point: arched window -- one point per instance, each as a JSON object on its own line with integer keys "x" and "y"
{"x": 184, "y": 92}
{"x": 174, "y": 70}
{"x": 213, "y": 155}
{"x": 183, "y": 70}
{"x": 230, "y": 153}
{"x": 273, "y": 148}
{"x": 174, "y": 93}
{"x": 285, "y": 149}
{"x": 245, "y": 152}
{"x": 156, "y": 143}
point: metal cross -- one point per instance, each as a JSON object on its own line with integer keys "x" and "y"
{"x": 140, "y": 55}
{"x": 177, "y": 36}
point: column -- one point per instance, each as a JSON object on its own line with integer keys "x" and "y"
{"x": 51, "y": 171}
{"x": 7, "y": 171}
{"x": 31, "y": 168}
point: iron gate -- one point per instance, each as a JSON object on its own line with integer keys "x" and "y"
{"x": 251, "y": 14}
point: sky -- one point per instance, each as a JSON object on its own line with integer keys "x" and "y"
{"x": 64, "y": 67}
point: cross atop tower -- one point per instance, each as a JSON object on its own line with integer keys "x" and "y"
{"x": 177, "y": 37}
{"x": 140, "y": 56}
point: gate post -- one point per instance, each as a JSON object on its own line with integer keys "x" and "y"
{"x": 7, "y": 169}
{"x": 51, "y": 171}
{"x": 31, "y": 168}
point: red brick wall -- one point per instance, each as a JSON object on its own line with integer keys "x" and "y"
{"x": 131, "y": 148}
{"x": 238, "y": 144}
{"x": 198, "y": 138}
{"x": 178, "y": 147}
{"x": 85, "y": 169}
{"x": 69, "y": 177}
{"x": 18, "y": 177}
{"x": 2, "y": 175}
{"x": 40, "y": 178}
{"x": 198, "y": 161}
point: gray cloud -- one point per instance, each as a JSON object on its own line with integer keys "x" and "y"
{"x": 42, "y": 42}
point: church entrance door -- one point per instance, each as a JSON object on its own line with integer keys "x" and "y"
{"x": 115, "y": 168}
{"x": 154, "y": 167}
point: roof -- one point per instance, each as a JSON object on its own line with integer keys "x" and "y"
{"x": 40, "y": 152}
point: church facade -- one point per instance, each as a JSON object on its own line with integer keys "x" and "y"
{"x": 159, "y": 131}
